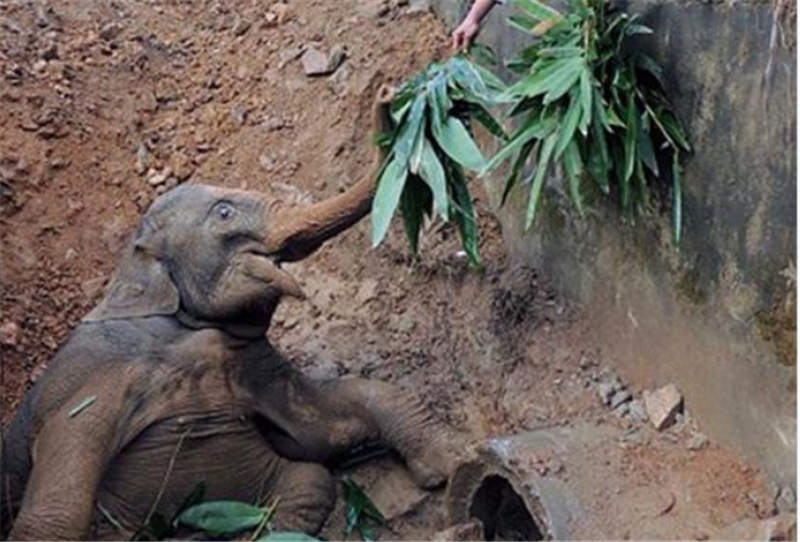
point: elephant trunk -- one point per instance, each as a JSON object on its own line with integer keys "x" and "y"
{"x": 295, "y": 233}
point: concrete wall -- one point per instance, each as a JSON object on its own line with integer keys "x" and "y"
{"x": 717, "y": 318}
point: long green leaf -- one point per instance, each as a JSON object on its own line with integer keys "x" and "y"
{"x": 537, "y": 129}
{"x": 415, "y": 203}
{"x": 411, "y": 131}
{"x": 387, "y": 197}
{"x": 542, "y": 79}
{"x": 536, "y": 9}
{"x": 563, "y": 81}
{"x": 222, "y": 518}
{"x": 631, "y": 130}
{"x": 438, "y": 99}
{"x": 433, "y": 174}
{"x": 670, "y": 122}
{"x": 516, "y": 169}
{"x": 287, "y": 536}
{"x": 454, "y": 139}
{"x": 416, "y": 153}
{"x": 522, "y": 22}
{"x": 568, "y": 125}
{"x": 479, "y": 113}
{"x": 465, "y": 216}
{"x": 586, "y": 94}
{"x": 539, "y": 177}
{"x": 677, "y": 199}
{"x": 573, "y": 168}
{"x": 645, "y": 147}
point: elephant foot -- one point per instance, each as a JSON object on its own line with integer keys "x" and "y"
{"x": 432, "y": 468}
{"x": 306, "y": 495}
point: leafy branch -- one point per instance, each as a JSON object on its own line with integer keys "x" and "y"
{"x": 431, "y": 146}
{"x": 592, "y": 105}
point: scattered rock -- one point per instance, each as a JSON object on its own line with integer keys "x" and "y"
{"x": 182, "y": 166}
{"x": 315, "y": 62}
{"x": 142, "y": 159}
{"x": 110, "y": 31}
{"x": 605, "y": 390}
{"x": 155, "y": 178}
{"x": 663, "y": 405}
{"x": 461, "y": 532}
{"x": 241, "y": 27}
{"x": 93, "y": 287}
{"x": 636, "y": 411}
{"x": 49, "y": 52}
{"x": 383, "y": 10}
{"x": 787, "y": 500}
{"x": 419, "y": 6}
{"x": 9, "y": 334}
{"x": 763, "y": 502}
{"x": 289, "y": 54}
{"x": 273, "y": 124}
{"x": 395, "y": 494}
{"x": 114, "y": 234}
{"x": 621, "y": 410}
{"x": 239, "y": 114}
{"x": 338, "y": 82}
{"x": 282, "y": 12}
{"x": 269, "y": 163}
{"x": 780, "y": 527}
{"x": 619, "y": 397}
{"x": 696, "y": 442}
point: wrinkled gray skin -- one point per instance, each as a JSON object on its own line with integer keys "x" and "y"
{"x": 187, "y": 389}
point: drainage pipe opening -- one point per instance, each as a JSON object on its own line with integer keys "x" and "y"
{"x": 502, "y": 512}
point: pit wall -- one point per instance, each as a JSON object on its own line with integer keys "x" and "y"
{"x": 718, "y": 318}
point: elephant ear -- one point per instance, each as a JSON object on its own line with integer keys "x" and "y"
{"x": 141, "y": 285}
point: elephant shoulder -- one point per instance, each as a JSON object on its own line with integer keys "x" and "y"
{"x": 102, "y": 358}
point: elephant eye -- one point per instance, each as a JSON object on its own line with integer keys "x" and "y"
{"x": 224, "y": 211}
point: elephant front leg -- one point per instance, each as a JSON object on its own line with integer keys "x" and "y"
{"x": 400, "y": 420}
{"x": 314, "y": 421}
{"x": 305, "y": 495}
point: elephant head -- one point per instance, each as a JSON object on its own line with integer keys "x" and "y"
{"x": 212, "y": 256}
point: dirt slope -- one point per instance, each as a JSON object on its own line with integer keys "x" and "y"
{"x": 98, "y": 100}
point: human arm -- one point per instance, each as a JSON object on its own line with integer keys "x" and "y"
{"x": 468, "y": 29}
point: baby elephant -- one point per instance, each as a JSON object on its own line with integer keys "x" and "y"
{"x": 170, "y": 382}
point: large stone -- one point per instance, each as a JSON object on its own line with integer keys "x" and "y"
{"x": 394, "y": 493}
{"x": 663, "y": 405}
{"x": 780, "y": 527}
{"x": 315, "y": 62}
{"x": 461, "y": 532}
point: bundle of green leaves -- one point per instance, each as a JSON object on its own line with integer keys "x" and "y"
{"x": 429, "y": 148}
{"x": 592, "y": 104}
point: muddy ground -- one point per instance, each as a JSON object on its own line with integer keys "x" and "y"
{"x": 104, "y": 105}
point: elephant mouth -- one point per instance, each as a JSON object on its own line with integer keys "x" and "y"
{"x": 268, "y": 268}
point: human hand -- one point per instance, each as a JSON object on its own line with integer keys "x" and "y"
{"x": 464, "y": 34}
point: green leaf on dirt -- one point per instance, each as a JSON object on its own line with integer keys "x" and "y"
{"x": 287, "y": 536}
{"x": 83, "y": 405}
{"x": 360, "y": 513}
{"x": 222, "y": 518}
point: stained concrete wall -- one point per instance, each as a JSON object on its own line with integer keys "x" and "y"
{"x": 717, "y": 317}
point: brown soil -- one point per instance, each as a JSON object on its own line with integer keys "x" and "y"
{"x": 95, "y": 95}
